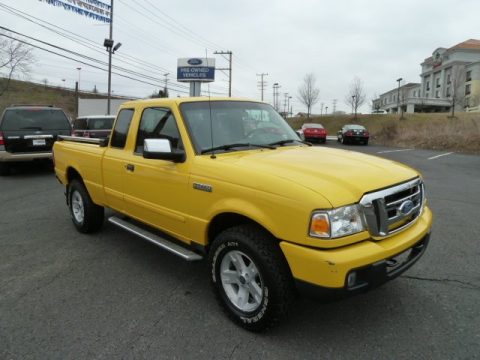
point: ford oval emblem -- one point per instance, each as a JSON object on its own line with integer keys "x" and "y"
{"x": 406, "y": 207}
{"x": 195, "y": 61}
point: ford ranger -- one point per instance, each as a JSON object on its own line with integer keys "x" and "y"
{"x": 229, "y": 180}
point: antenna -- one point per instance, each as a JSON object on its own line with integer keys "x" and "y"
{"x": 210, "y": 109}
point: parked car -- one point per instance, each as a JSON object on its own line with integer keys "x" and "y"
{"x": 94, "y": 126}
{"x": 313, "y": 132}
{"x": 27, "y": 133}
{"x": 350, "y": 134}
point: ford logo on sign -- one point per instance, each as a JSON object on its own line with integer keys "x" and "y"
{"x": 195, "y": 61}
{"x": 406, "y": 207}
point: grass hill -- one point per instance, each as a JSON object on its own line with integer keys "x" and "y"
{"x": 436, "y": 131}
{"x": 22, "y": 92}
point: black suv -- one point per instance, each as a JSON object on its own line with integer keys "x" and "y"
{"x": 27, "y": 133}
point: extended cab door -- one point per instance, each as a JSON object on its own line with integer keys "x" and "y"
{"x": 114, "y": 161}
{"x": 156, "y": 191}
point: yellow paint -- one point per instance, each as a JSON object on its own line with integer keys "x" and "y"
{"x": 279, "y": 189}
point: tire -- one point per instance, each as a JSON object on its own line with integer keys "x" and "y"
{"x": 366, "y": 142}
{"x": 4, "y": 169}
{"x": 246, "y": 260}
{"x": 344, "y": 141}
{"x": 86, "y": 215}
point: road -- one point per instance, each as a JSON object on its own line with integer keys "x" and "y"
{"x": 64, "y": 295}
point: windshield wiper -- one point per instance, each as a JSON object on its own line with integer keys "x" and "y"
{"x": 234, "y": 145}
{"x": 283, "y": 142}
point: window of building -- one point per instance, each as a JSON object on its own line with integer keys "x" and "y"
{"x": 119, "y": 133}
{"x": 428, "y": 85}
{"x": 437, "y": 94}
{"x": 467, "y": 89}
{"x": 469, "y": 76}
{"x": 394, "y": 97}
{"x": 437, "y": 82}
{"x": 448, "y": 92}
{"x": 449, "y": 79}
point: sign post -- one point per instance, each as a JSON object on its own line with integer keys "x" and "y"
{"x": 195, "y": 71}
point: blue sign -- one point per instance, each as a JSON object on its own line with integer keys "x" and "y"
{"x": 195, "y": 73}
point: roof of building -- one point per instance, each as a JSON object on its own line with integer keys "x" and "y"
{"x": 470, "y": 44}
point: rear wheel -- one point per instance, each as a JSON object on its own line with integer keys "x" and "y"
{"x": 344, "y": 141}
{"x": 86, "y": 215}
{"x": 250, "y": 277}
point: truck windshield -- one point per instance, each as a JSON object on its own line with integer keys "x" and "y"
{"x": 218, "y": 124}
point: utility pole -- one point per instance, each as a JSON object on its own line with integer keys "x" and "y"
{"x": 334, "y": 106}
{"x": 276, "y": 87}
{"x": 165, "y": 91}
{"x": 262, "y": 83}
{"x": 321, "y": 109}
{"x": 110, "y": 60}
{"x": 285, "y": 104}
{"x": 229, "y": 53}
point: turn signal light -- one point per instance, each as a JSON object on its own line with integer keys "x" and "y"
{"x": 2, "y": 141}
{"x": 320, "y": 225}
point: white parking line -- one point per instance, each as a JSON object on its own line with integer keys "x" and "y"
{"x": 436, "y": 157}
{"x": 390, "y": 151}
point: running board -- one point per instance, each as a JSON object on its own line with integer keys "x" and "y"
{"x": 178, "y": 250}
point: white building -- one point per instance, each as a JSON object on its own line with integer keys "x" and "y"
{"x": 450, "y": 77}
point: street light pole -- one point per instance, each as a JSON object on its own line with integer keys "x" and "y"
{"x": 110, "y": 60}
{"x": 398, "y": 95}
{"x": 79, "y": 70}
{"x": 165, "y": 92}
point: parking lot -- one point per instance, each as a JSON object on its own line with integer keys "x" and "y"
{"x": 64, "y": 295}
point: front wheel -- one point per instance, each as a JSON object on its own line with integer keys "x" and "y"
{"x": 250, "y": 277}
{"x": 86, "y": 215}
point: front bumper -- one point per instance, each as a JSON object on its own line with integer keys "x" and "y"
{"x": 327, "y": 270}
{"x": 6, "y": 156}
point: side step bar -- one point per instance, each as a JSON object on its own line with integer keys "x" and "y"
{"x": 178, "y": 250}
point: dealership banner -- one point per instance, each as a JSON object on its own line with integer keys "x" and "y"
{"x": 93, "y": 9}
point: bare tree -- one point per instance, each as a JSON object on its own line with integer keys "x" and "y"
{"x": 308, "y": 93}
{"x": 457, "y": 91}
{"x": 15, "y": 58}
{"x": 356, "y": 95}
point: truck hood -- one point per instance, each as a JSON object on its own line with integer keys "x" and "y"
{"x": 341, "y": 176}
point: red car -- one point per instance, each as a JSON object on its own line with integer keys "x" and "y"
{"x": 313, "y": 132}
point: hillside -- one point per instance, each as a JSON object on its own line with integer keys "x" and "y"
{"x": 21, "y": 92}
{"x": 428, "y": 131}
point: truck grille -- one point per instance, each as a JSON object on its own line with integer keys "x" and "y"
{"x": 393, "y": 209}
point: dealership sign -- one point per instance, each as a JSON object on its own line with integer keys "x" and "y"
{"x": 196, "y": 69}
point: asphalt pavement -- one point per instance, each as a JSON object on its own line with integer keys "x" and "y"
{"x": 65, "y": 295}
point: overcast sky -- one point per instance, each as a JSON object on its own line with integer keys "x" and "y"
{"x": 376, "y": 40}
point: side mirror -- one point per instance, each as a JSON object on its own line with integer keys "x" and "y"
{"x": 161, "y": 149}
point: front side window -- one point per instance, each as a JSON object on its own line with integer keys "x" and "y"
{"x": 219, "y": 123}
{"x": 158, "y": 123}
{"x": 119, "y": 133}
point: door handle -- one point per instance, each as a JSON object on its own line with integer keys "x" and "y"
{"x": 130, "y": 167}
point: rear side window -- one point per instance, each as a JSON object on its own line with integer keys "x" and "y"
{"x": 119, "y": 133}
{"x": 35, "y": 119}
{"x": 80, "y": 124}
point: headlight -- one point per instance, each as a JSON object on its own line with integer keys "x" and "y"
{"x": 336, "y": 223}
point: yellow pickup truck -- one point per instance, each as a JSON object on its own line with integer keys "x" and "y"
{"x": 229, "y": 180}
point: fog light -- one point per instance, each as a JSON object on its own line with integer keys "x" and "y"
{"x": 351, "y": 279}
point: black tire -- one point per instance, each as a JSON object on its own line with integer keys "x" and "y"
{"x": 344, "y": 141}
{"x": 366, "y": 142}
{"x": 4, "y": 169}
{"x": 271, "y": 281}
{"x": 86, "y": 215}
